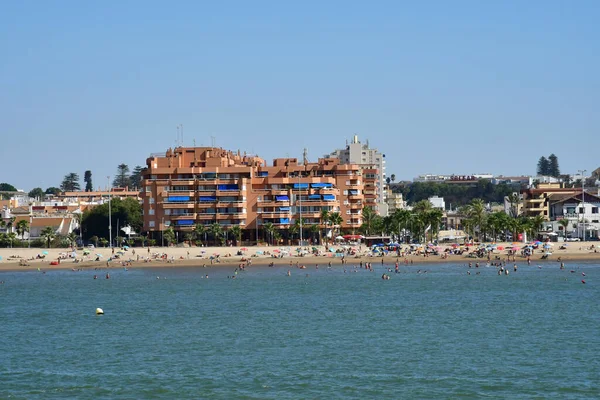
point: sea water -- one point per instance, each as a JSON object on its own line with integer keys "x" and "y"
{"x": 317, "y": 334}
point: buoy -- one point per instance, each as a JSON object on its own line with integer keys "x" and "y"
{"x": 582, "y": 281}
{"x": 99, "y": 311}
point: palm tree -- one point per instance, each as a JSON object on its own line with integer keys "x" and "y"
{"x": 200, "y": 230}
{"x": 324, "y": 221}
{"x": 368, "y": 220}
{"x": 476, "y": 212}
{"x": 434, "y": 219}
{"x": 216, "y": 231}
{"x": 336, "y": 221}
{"x": 189, "y": 237}
{"x": 536, "y": 224}
{"x": 236, "y": 232}
{"x": 269, "y": 229}
{"x": 422, "y": 207}
{"x": 72, "y": 238}
{"x": 565, "y": 224}
{"x": 514, "y": 200}
{"x": 402, "y": 219}
{"x": 48, "y": 234}
{"x": 11, "y": 236}
{"x": 314, "y": 230}
{"x": 22, "y": 227}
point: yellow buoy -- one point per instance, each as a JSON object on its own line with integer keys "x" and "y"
{"x": 99, "y": 311}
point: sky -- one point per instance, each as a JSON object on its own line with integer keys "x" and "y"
{"x": 443, "y": 87}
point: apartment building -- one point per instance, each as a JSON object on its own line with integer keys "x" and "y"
{"x": 537, "y": 201}
{"x": 187, "y": 186}
{"x": 372, "y": 164}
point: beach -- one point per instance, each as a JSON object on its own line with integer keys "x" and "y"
{"x": 143, "y": 257}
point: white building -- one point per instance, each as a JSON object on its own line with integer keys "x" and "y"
{"x": 367, "y": 158}
{"x": 437, "y": 202}
{"x": 579, "y": 211}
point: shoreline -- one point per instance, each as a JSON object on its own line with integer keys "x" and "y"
{"x": 199, "y": 257}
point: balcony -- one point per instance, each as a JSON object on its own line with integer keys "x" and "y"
{"x": 189, "y": 215}
{"x": 206, "y": 216}
{"x": 273, "y": 203}
{"x": 181, "y": 182}
{"x": 167, "y": 204}
{"x": 222, "y": 216}
{"x": 233, "y": 203}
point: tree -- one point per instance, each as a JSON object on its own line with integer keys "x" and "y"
{"x": 514, "y": 200}
{"x": 22, "y": 227}
{"x": 52, "y": 190}
{"x": 553, "y": 168}
{"x": 122, "y": 177}
{"x": 324, "y": 221}
{"x": 169, "y": 235}
{"x": 565, "y": 224}
{"x": 393, "y": 178}
{"x": 269, "y": 229}
{"x": 543, "y": 166}
{"x": 216, "y": 231}
{"x": 48, "y": 234}
{"x": 87, "y": 178}
{"x": 36, "y": 193}
{"x": 199, "y": 231}
{"x": 135, "y": 179}
{"x": 124, "y": 211}
{"x": 7, "y": 187}
{"x": 70, "y": 183}
{"x": 236, "y": 232}
{"x": 368, "y": 220}
{"x": 476, "y": 213}
{"x": 336, "y": 221}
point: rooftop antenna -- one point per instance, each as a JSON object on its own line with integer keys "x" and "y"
{"x": 305, "y": 156}
{"x": 181, "y": 126}
{"x": 212, "y": 141}
{"x": 177, "y": 138}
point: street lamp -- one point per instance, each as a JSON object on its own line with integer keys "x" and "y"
{"x": 581, "y": 173}
{"x": 109, "y": 214}
{"x": 300, "y": 207}
{"x": 162, "y": 231}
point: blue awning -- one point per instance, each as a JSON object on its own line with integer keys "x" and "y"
{"x": 284, "y": 220}
{"x": 263, "y": 173}
{"x": 300, "y": 185}
{"x": 284, "y": 209}
{"x": 179, "y": 198}
{"x": 228, "y": 187}
{"x": 353, "y": 192}
{"x": 282, "y": 198}
{"x": 208, "y": 198}
{"x": 321, "y": 185}
{"x": 314, "y": 197}
{"x": 185, "y": 222}
{"x": 328, "y": 197}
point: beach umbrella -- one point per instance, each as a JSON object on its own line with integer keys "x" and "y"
{"x": 455, "y": 245}
{"x": 547, "y": 246}
{"x": 45, "y": 253}
{"x": 126, "y": 247}
{"x": 500, "y": 247}
{"x": 339, "y": 238}
{"x": 98, "y": 255}
{"x": 275, "y": 251}
{"x": 515, "y": 248}
{"x": 244, "y": 249}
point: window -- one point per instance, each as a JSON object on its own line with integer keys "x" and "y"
{"x": 580, "y": 210}
{"x": 151, "y": 224}
{"x": 594, "y": 210}
{"x": 151, "y": 211}
{"x": 151, "y": 200}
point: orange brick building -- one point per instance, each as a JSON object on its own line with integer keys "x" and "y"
{"x": 188, "y": 186}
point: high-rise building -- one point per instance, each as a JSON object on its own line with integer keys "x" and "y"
{"x": 372, "y": 165}
{"x": 188, "y": 186}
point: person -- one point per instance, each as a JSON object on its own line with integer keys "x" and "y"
{"x": 148, "y": 250}
{"x": 107, "y": 275}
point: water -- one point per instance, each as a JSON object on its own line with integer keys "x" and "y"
{"x": 264, "y": 335}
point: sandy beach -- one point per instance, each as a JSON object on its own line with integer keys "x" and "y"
{"x": 27, "y": 259}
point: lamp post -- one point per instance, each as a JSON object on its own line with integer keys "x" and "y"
{"x": 162, "y": 232}
{"x": 300, "y": 207}
{"x": 581, "y": 173}
{"x": 109, "y": 214}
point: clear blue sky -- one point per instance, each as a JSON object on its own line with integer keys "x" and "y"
{"x": 439, "y": 86}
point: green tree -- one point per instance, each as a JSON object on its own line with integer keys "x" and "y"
{"x": 269, "y": 230}
{"x": 7, "y": 187}
{"x": 169, "y": 236}
{"x": 36, "y": 193}
{"x": 393, "y": 178}
{"x": 335, "y": 218}
{"x": 323, "y": 222}
{"x": 87, "y": 178}
{"x": 53, "y": 190}
{"x": 48, "y": 234}
{"x": 553, "y": 168}
{"x": 565, "y": 224}
{"x": 369, "y": 219}
{"x": 70, "y": 183}
{"x": 543, "y": 166}
{"x": 124, "y": 212}
{"x": 200, "y": 231}
{"x": 136, "y": 177}
{"x": 94, "y": 239}
{"x": 477, "y": 214}
{"x": 236, "y": 232}
{"x": 122, "y": 178}
{"x": 22, "y": 227}
{"x": 216, "y": 231}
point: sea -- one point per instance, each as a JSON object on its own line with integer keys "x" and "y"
{"x": 428, "y": 332}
